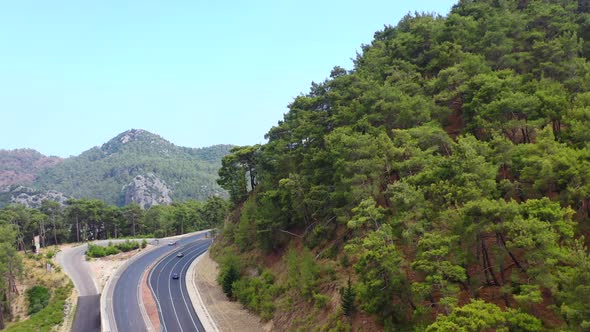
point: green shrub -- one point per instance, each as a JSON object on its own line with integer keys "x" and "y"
{"x": 37, "y": 299}
{"x": 320, "y": 300}
{"x": 303, "y": 271}
{"x": 159, "y": 233}
{"x": 230, "y": 276}
{"x": 257, "y": 294}
{"x": 347, "y": 297}
{"x": 46, "y": 319}
{"x": 127, "y": 245}
{"x": 229, "y": 271}
{"x": 111, "y": 250}
{"x": 50, "y": 254}
{"x": 96, "y": 251}
{"x": 143, "y": 244}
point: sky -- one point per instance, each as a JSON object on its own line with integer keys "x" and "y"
{"x": 74, "y": 74}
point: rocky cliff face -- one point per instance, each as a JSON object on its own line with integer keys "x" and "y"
{"x": 147, "y": 190}
{"x": 32, "y": 198}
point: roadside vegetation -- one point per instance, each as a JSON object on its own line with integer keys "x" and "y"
{"x": 77, "y": 221}
{"x": 49, "y": 317}
{"x": 446, "y": 176}
{"x": 97, "y": 251}
{"x": 82, "y": 220}
{"x": 41, "y": 292}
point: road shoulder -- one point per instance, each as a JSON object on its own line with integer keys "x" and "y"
{"x": 211, "y": 304}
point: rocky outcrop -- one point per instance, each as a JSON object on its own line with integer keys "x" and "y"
{"x": 106, "y": 172}
{"x": 147, "y": 190}
{"x": 32, "y": 198}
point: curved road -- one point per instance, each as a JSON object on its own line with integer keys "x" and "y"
{"x": 73, "y": 261}
{"x": 174, "y": 304}
{"x": 126, "y": 311}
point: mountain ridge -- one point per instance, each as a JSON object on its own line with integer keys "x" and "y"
{"x": 20, "y": 166}
{"x": 106, "y": 171}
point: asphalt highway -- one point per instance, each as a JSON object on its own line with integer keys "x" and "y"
{"x": 125, "y": 301}
{"x": 174, "y": 304}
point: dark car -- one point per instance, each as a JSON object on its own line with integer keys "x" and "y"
{"x": 174, "y": 275}
{"x": 180, "y": 254}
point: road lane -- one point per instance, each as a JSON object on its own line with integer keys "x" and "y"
{"x": 73, "y": 261}
{"x": 174, "y": 305}
{"x": 126, "y": 310}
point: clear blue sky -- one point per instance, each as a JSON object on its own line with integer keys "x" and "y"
{"x": 73, "y": 74}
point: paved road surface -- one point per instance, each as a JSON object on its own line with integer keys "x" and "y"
{"x": 174, "y": 304}
{"x": 87, "y": 317}
{"x": 73, "y": 261}
{"x": 125, "y": 301}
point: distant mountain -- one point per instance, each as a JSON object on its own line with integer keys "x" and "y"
{"x": 135, "y": 166}
{"x": 21, "y": 166}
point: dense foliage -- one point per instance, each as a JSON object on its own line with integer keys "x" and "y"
{"x": 20, "y": 166}
{"x": 11, "y": 269}
{"x": 84, "y": 220}
{"x": 97, "y": 251}
{"x": 448, "y": 173}
{"x": 49, "y": 317}
{"x": 91, "y": 219}
{"x": 37, "y": 299}
{"x": 102, "y": 172}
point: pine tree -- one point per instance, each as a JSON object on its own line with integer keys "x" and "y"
{"x": 347, "y": 296}
{"x": 231, "y": 275}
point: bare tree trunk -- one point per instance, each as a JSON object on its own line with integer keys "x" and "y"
{"x": 516, "y": 262}
{"x": 77, "y": 229}
{"x": 2, "y": 325}
{"x": 487, "y": 263}
{"x": 54, "y": 231}
{"x": 41, "y": 235}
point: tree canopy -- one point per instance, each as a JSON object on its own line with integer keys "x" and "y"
{"x": 452, "y": 162}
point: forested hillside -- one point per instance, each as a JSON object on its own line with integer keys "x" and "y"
{"x": 81, "y": 220}
{"x": 442, "y": 184}
{"x": 107, "y": 172}
{"x": 21, "y": 166}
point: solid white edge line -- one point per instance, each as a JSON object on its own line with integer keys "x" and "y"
{"x": 155, "y": 266}
{"x": 107, "y": 313}
{"x": 185, "y": 270}
{"x": 195, "y": 296}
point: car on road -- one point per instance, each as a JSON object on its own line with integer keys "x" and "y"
{"x": 174, "y": 275}
{"x": 172, "y": 243}
{"x": 180, "y": 254}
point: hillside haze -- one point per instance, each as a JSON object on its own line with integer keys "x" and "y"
{"x": 135, "y": 166}
{"x": 21, "y": 166}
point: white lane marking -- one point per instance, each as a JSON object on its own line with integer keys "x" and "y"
{"x": 159, "y": 275}
{"x": 151, "y": 287}
{"x": 156, "y": 291}
{"x": 183, "y": 272}
{"x": 193, "y": 249}
{"x": 170, "y": 291}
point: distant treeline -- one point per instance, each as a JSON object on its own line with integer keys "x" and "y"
{"x": 92, "y": 219}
